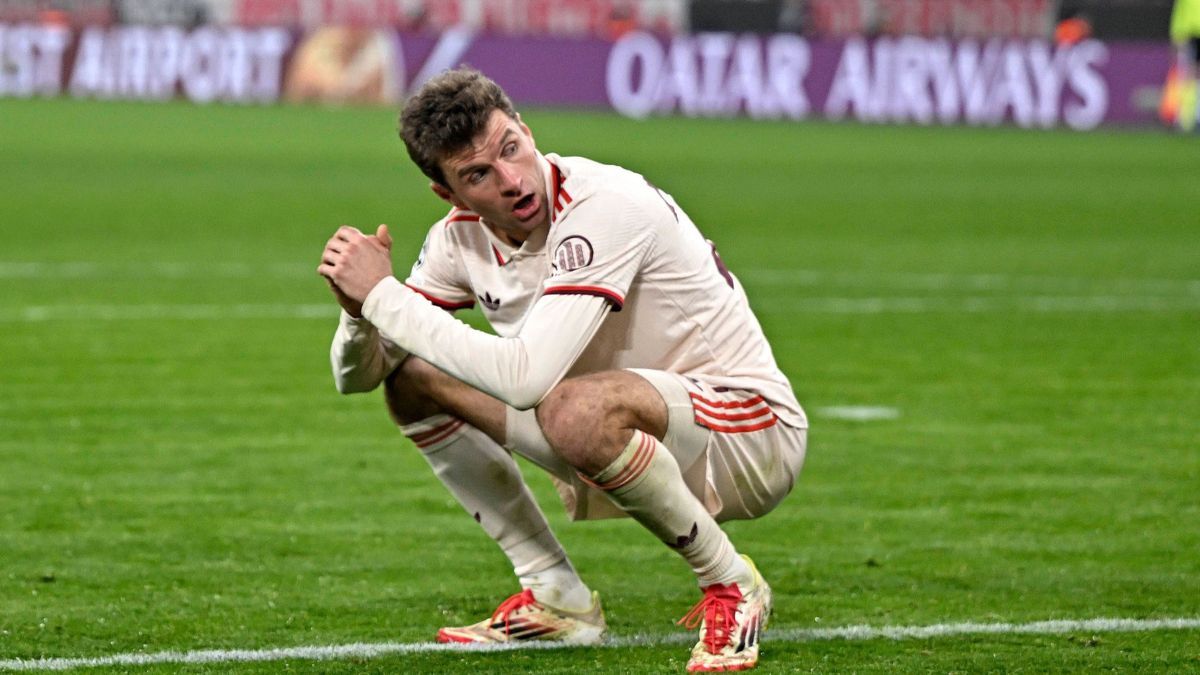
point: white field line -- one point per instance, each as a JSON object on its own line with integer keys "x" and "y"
{"x": 1038, "y": 304}
{"x": 789, "y": 635}
{"x": 858, "y": 413}
{"x": 36, "y": 313}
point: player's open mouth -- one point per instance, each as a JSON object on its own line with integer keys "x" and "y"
{"x": 526, "y": 207}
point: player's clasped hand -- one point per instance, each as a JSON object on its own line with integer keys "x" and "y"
{"x": 354, "y": 263}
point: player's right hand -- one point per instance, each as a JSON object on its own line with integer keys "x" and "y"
{"x": 353, "y": 307}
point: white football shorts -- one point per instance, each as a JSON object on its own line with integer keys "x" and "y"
{"x": 736, "y": 456}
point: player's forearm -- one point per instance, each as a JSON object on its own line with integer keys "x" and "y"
{"x": 519, "y": 371}
{"x": 359, "y": 357}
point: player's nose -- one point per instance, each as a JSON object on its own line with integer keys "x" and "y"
{"x": 510, "y": 179}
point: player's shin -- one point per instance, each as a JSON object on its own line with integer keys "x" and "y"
{"x": 645, "y": 481}
{"x": 486, "y": 481}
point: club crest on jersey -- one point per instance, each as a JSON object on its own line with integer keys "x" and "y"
{"x": 574, "y": 252}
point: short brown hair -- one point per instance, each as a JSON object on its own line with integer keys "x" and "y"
{"x": 446, "y": 114}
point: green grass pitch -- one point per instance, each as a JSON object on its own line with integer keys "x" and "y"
{"x": 178, "y": 473}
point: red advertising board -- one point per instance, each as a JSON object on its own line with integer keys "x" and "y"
{"x": 933, "y": 18}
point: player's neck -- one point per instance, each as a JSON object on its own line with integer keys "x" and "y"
{"x": 514, "y": 238}
{"x": 510, "y": 238}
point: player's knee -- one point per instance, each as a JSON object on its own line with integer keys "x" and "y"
{"x": 581, "y": 417}
{"x": 406, "y": 392}
{"x": 564, "y": 408}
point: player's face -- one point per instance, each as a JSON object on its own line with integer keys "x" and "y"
{"x": 500, "y": 178}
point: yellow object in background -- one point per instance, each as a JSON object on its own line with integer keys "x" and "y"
{"x": 1185, "y": 21}
{"x": 1179, "y": 94}
{"x": 1187, "y": 104}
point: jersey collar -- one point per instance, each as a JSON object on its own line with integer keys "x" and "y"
{"x": 556, "y": 191}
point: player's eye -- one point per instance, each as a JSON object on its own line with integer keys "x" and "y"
{"x": 475, "y": 177}
{"x": 509, "y": 149}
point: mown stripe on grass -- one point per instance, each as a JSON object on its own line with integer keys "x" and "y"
{"x": 816, "y": 305}
{"x": 374, "y": 650}
{"x": 1037, "y": 304}
{"x": 165, "y": 312}
{"x": 788, "y": 277}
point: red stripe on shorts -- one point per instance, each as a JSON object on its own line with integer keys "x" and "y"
{"x": 739, "y": 430}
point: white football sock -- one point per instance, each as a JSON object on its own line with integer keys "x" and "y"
{"x": 524, "y": 436}
{"x": 486, "y": 481}
{"x": 645, "y": 481}
{"x": 559, "y": 586}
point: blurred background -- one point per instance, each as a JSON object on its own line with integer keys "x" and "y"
{"x": 1033, "y": 63}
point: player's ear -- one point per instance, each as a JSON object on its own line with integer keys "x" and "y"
{"x": 446, "y": 195}
{"x": 524, "y": 127}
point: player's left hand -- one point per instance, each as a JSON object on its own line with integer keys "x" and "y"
{"x": 355, "y": 262}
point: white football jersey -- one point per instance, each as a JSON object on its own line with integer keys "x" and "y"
{"x": 612, "y": 234}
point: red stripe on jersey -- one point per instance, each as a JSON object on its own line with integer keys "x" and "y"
{"x": 462, "y": 215}
{"x": 726, "y": 404}
{"x": 444, "y": 304}
{"x": 556, "y": 181}
{"x": 617, "y": 301}
{"x": 738, "y": 430}
{"x": 561, "y": 197}
{"x": 458, "y": 215}
{"x": 499, "y": 258}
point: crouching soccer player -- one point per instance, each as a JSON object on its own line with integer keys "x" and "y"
{"x": 627, "y": 364}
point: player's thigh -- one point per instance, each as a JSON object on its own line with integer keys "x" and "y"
{"x": 687, "y": 441}
{"x": 588, "y": 418}
{"x": 417, "y": 390}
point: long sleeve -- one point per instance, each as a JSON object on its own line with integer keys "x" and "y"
{"x": 360, "y": 357}
{"x": 519, "y": 370}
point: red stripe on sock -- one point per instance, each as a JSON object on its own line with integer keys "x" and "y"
{"x": 633, "y": 460}
{"x": 636, "y": 466}
{"x": 441, "y": 433}
{"x": 422, "y": 435}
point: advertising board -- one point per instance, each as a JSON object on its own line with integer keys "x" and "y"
{"x": 911, "y": 79}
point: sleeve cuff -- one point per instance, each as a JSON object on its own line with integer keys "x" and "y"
{"x": 351, "y": 321}
{"x": 386, "y": 286}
